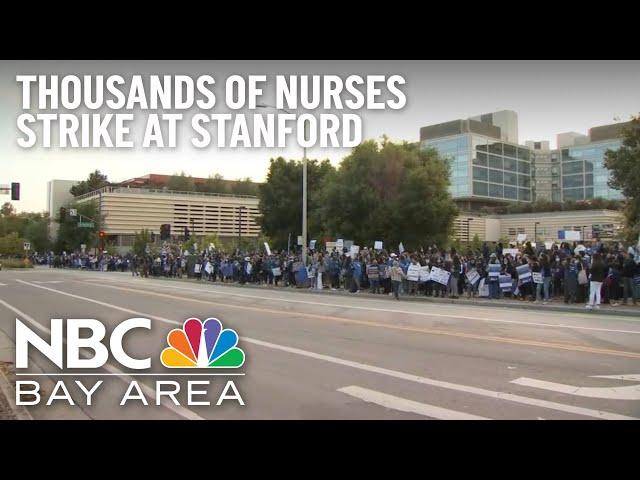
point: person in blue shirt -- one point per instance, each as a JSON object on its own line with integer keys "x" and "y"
{"x": 570, "y": 280}
{"x": 356, "y": 269}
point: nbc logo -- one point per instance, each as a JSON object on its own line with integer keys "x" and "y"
{"x": 202, "y": 345}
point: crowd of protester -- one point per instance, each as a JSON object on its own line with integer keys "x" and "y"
{"x": 591, "y": 272}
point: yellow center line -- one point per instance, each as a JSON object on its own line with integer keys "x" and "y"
{"x": 430, "y": 331}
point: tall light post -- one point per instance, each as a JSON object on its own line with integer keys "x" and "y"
{"x": 535, "y": 233}
{"x": 469, "y": 220}
{"x": 304, "y": 185}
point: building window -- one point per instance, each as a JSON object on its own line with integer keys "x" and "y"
{"x": 496, "y": 190}
{"x": 496, "y": 148}
{"x": 572, "y": 181}
{"x": 509, "y": 151}
{"x": 570, "y": 168}
{"x": 495, "y": 176}
{"x": 510, "y": 178}
{"x": 511, "y": 165}
{"x": 480, "y": 188}
{"x": 481, "y": 159}
{"x": 512, "y": 232}
{"x": 510, "y": 192}
{"x": 524, "y": 167}
{"x": 495, "y": 162}
{"x": 523, "y": 153}
{"x": 480, "y": 173}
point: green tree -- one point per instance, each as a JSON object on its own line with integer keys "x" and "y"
{"x": 12, "y": 244}
{"x": 70, "y": 236}
{"x": 181, "y": 182}
{"x": 36, "y": 232}
{"x": 244, "y": 187}
{"x": 215, "y": 184}
{"x": 625, "y": 176}
{"x": 140, "y": 242}
{"x": 281, "y": 200}
{"x": 390, "y": 192}
{"x": 95, "y": 181}
{"x": 7, "y": 210}
{"x": 476, "y": 244}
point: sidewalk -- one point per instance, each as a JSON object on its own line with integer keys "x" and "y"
{"x": 8, "y": 409}
{"x": 555, "y": 305}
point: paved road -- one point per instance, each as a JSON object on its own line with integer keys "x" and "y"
{"x": 312, "y": 356}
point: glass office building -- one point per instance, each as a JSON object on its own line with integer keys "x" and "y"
{"x": 485, "y": 168}
{"x": 584, "y": 175}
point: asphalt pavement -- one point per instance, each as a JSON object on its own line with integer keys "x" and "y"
{"x": 312, "y": 356}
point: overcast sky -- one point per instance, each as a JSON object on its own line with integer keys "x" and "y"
{"x": 550, "y": 97}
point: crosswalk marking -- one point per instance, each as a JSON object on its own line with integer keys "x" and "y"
{"x": 404, "y": 405}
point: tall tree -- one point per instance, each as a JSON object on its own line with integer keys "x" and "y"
{"x": 95, "y": 181}
{"x": 246, "y": 186}
{"x": 181, "y": 182}
{"x": 215, "y": 184}
{"x": 70, "y": 235}
{"x": 281, "y": 200}
{"x": 7, "y": 210}
{"x": 625, "y": 176}
{"x": 390, "y": 192}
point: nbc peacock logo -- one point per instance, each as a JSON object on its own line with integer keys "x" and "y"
{"x": 202, "y": 345}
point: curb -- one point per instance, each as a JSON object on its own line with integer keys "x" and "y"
{"x": 6, "y": 389}
{"x": 519, "y": 305}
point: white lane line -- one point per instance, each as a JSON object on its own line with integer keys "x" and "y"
{"x": 404, "y": 405}
{"x": 48, "y": 281}
{"x": 384, "y": 371}
{"x": 631, "y": 392}
{"x": 386, "y": 310}
{"x": 3, "y": 284}
{"x": 177, "y": 409}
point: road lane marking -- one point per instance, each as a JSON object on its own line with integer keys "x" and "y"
{"x": 630, "y": 392}
{"x": 427, "y": 331}
{"x": 48, "y": 281}
{"x": 3, "y": 284}
{"x": 384, "y": 371}
{"x": 177, "y": 409}
{"x": 376, "y": 309}
{"x": 405, "y": 405}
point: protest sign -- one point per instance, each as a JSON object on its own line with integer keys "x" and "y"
{"x": 473, "y": 276}
{"x": 348, "y": 244}
{"x": 537, "y": 277}
{"x": 312, "y": 245}
{"x": 339, "y": 244}
{"x": 494, "y": 270}
{"x": 424, "y": 274}
{"x": 483, "y": 288}
{"x": 524, "y": 273}
{"x": 400, "y": 248}
{"x": 355, "y": 249}
{"x": 300, "y": 242}
{"x": 568, "y": 235}
{"x": 413, "y": 273}
{"x": 548, "y": 245}
{"x": 266, "y": 247}
{"x": 208, "y": 268}
{"x": 377, "y": 245}
{"x": 439, "y": 275}
{"x": 510, "y": 251}
{"x": 276, "y": 272}
{"x": 505, "y": 283}
{"x": 521, "y": 237}
{"x": 196, "y": 268}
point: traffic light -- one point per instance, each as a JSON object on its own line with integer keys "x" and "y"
{"x": 102, "y": 234}
{"x": 186, "y": 233}
{"x": 165, "y": 231}
{"x": 15, "y": 191}
{"x": 63, "y": 213}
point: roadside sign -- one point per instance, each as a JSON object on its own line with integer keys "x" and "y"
{"x": 300, "y": 240}
{"x": 86, "y": 224}
{"x": 27, "y": 246}
{"x": 73, "y": 212}
{"x": 83, "y": 247}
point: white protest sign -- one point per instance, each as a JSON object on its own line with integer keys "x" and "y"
{"x": 521, "y": 237}
{"x": 548, "y": 245}
{"x": 276, "y": 271}
{"x": 424, "y": 274}
{"x": 413, "y": 273}
{"x": 339, "y": 244}
{"x": 266, "y": 247}
{"x": 537, "y": 277}
{"x": 439, "y": 275}
{"x": 506, "y": 283}
{"x": 510, "y": 251}
{"x": 355, "y": 249}
{"x": 473, "y": 276}
{"x": 196, "y": 268}
{"x": 212, "y": 246}
{"x": 494, "y": 270}
{"x": 377, "y": 245}
{"x": 208, "y": 268}
{"x": 312, "y": 245}
{"x": 401, "y": 247}
{"x": 300, "y": 242}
